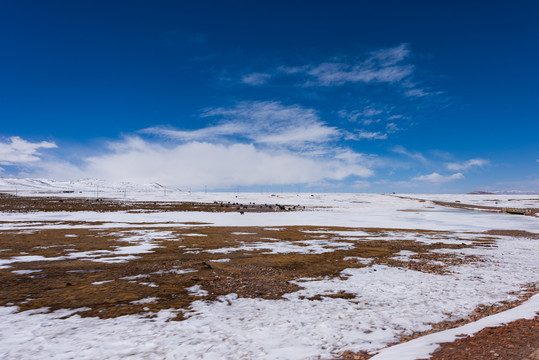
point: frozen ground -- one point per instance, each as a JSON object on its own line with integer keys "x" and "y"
{"x": 388, "y": 302}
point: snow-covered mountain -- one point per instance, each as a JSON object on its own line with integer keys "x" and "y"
{"x": 84, "y": 186}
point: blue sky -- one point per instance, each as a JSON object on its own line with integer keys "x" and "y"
{"x": 367, "y": 96}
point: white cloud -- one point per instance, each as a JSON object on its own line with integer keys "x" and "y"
{"x": 381, "y": 66}
{"x": 20, "y": 151}
{"x": 251, "y": 143}
{"x": 291, "y": 70}
{"x": 349, "y": 156}
{"x": 414, "y": 155}
{"x": 202, "y": 163}
{"x": 363, "y": 134}
{"x": 225, "y": 129}
{"x": 438, "y": 179}
{"x": 328, "y": 74}
{"x": 392, "y": 128}
{"x": 295, "y": 135}
{"x": 417, "y": 93}
{"x": 390, "y": 56}
{"x": 467, "y": 164}
{"x": 365, "y": 116}
{"x": 262, "y": 122}
{"x": 256, "y": 78}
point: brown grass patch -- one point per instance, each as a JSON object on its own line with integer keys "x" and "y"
{"x": 112, "y": 289}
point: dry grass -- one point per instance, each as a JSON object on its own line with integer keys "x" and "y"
{"x": 67, "y": 283}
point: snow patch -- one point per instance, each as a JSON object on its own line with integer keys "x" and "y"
{"x": 196, "y": 290}
{"x": 147, "y": 300}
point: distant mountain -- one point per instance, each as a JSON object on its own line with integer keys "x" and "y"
{"x": 503, "y": 192}
{"x": 79, "y": 186}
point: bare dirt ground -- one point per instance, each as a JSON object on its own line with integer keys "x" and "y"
{"x": 76, "y": 267}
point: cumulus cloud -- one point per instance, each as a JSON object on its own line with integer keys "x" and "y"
{"x": 251, "y": 143}
{"x": 467, "y": 164}
{"x": 438, "y": 179}
{"x": 19, "y": 151}
{"x": 202, "y": 163}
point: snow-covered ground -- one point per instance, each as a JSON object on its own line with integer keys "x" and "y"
{"x": 389, "y": 301}
{"x": 354, "y": 210}
{"x": 156, "y": 192}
